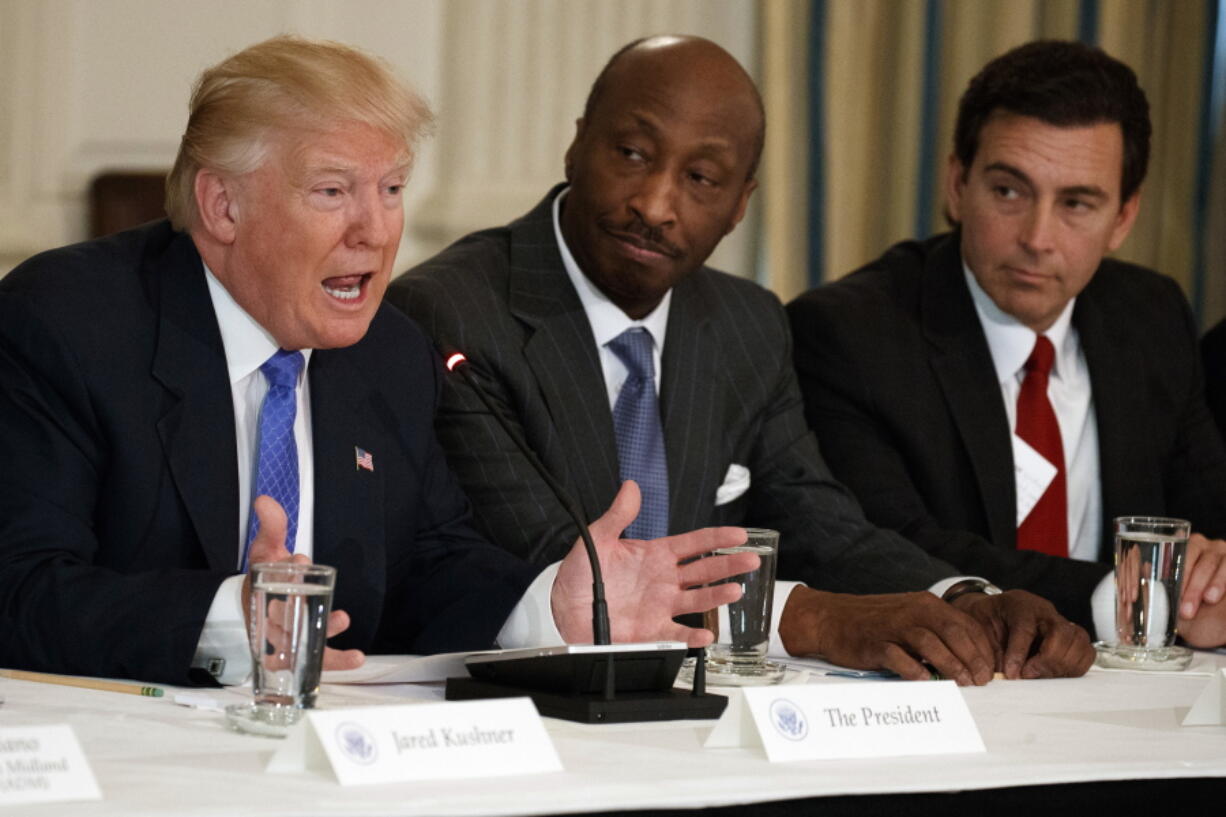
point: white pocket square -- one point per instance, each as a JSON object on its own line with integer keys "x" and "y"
{"x": 736, "y": 482}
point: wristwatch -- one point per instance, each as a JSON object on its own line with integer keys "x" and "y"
{"x": 965, "y": 586}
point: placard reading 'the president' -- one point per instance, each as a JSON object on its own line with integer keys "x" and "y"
{"x": 818, "y": 721}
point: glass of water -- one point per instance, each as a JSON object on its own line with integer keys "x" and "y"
{"x": 742, "y": 628}
{"x": 1149, "y": 559}
{"x": 287, "y": 623}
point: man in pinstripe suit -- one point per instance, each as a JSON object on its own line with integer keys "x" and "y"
{"x": 661, "y": 168}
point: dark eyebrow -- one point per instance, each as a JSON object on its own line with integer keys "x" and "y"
{"x": 1077, "y": 190}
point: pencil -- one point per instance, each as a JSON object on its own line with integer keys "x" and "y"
{"x": 84, "y": 683}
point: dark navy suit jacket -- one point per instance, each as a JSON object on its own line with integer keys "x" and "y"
{"x": 900, "y": 388}
{"x": 118, "y": 480}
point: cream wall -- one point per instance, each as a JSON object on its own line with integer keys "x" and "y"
{"x": 94, "y": 85}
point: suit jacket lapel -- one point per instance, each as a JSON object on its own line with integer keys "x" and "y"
{"x": 561, "y": 352}
{"x": 1122, "y": 435}
{"x": 197, "y": 432}
{"x": 964, "y": 369}
{"x": 349, "y": 511}
{"x": 689, "y": 406}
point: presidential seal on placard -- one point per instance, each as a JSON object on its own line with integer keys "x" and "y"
{"x": 788, "y": 719}
{"x": 356, "y": 743}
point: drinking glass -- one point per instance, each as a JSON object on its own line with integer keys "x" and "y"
{"x": 1149, "y": 558}
{"x": 288, "y": 624}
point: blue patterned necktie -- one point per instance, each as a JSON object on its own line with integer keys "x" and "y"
{"x": 276, "y": 470}
{"x": 640, "y": 437}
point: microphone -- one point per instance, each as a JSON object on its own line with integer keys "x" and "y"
{"x": 563, "y": 681}
{"x": 456, "y": 361}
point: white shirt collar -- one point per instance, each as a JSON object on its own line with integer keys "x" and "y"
{"x": 607, "y": 319}
{"x": 247, "y": 344}
{"x": 1011, "y": 342}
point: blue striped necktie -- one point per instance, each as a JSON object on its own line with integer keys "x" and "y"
{"x": 276, "y": 472}
{"x": 640, "y": 437}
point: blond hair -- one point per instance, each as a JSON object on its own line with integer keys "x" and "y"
{"x": 284, "y": 84}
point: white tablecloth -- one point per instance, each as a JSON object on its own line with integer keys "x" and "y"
{"x": 152, "y": 757}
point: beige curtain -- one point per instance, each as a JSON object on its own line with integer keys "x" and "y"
{"x": 784, "y": 175}
{"x": 872, "y": 103}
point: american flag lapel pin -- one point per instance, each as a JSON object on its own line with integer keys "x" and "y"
{"x": 363, "y": 459}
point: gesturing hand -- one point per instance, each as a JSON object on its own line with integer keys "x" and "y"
{"x": 1202, "y": 610}
{"x": 645, "y": 584}
{"x": 1032, "y": 639}
{"x": 899, "y": 632}
{"x": 1204, "y": 573}
{"x": 269, "y": 546}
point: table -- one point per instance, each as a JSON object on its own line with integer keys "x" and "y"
{"x": 152, "y": 757}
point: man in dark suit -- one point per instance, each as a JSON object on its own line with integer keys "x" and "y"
{"x": 1213, "y": 353}
{"x": 916, "y": 368}
{"x": 547, "y": 308}
{"x": 135, "y": 368}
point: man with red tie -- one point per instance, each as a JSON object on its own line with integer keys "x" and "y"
{"x": 998, "y": 394}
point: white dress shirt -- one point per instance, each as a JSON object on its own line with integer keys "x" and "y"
{"x": 1069, "y": 390}
{"x": 247, "y": 345}
{"x": 608, "y": 321}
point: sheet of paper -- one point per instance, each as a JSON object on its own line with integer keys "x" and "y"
{"x": 402, "y": 669}
{"x": 820, "y": 666}
{"x": 1032, "y": 473}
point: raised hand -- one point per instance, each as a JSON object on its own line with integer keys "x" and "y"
{"x": 269, "y": 546}
{"x": 1202, "y": 610}
{"x": 1204, "y": 572}
{"x": 645, "y": 582}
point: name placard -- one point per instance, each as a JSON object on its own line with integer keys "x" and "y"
{"x": 819, "y": 721}
{"x": 43, "y": 764}
{"x": 1209, "y": 709}
{"x": 385, "y": 744}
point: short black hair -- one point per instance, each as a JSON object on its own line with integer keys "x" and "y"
{"x": 601, "y": 83}
{"x": 1065, "y": 84}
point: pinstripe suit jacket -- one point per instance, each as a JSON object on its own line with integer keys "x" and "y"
{"x": 728, "y": 394}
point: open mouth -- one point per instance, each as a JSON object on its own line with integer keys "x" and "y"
{"x": 346, "y": 288}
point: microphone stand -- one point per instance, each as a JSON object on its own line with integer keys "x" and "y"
{"x": 556, "y": 683}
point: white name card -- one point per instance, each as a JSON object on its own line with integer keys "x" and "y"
{"x": 1032, "y": 474}
{"x": 820, "y": 721}
{"x": 385, "y": 744}
{"x": 1209, "y": 708}
{"x": 43, "y": 764}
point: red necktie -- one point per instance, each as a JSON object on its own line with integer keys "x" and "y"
{"x": 1046, "y": 527}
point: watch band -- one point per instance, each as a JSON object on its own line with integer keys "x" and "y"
{"x": 970, "y": 586}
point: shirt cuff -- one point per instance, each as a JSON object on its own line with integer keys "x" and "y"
{"x": 782, "y": 591}
{"x": 1102, "y": 608}
{"x": 531, "y": 621}
{"x": 942, "y": 587}
{"x": 223, "y": 641}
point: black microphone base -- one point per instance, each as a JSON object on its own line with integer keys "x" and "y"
{"x": 591, "y": 707}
